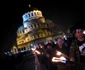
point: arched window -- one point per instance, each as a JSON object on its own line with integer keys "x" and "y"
{"x": 38, "y": 25}
{"x": 49, "y": 33}
{"x": 36, "y": 36}
{"x": 23, "y": 31}
{"x": 34, "y": 25}
{"x": 45, "y": 25}
{"x": 37, "y": 13}
{"x": 29, "y": 15}
{"x": 19, "y": 49}
{"x": 31, "y": 26}
{"x": 32, "y": 14}
{"x": 40, "y": 35}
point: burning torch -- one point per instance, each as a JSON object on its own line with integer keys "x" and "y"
{"x": 59, "y": 58}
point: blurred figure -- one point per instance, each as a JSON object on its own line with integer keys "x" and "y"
{"x": 77, "y": 50}
{"x": 51, "y": 43}
{"x": 62, "y": 47}
{"x": 49, "y": 50}
{"x": 49, "y": 56}
{"x": 42, "y": 56}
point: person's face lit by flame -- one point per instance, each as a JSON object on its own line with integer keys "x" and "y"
{"x": 60, "y": 42}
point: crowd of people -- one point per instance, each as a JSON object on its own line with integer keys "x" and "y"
{"x": 73, "y": 51}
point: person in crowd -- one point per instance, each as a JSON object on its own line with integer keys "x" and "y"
{"x": 51, "y": 43}
{"x": 77, "y": 50}
{"x": 62, "y": 47}
{"x": 49, "y": 56}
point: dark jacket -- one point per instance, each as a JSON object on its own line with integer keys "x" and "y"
{"x": 74, "y": 51}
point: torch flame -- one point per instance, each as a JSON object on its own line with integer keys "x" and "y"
{"x": 58, "y": 53}
{"x": 61, "y": 59}
{"x": 37, "y": 52}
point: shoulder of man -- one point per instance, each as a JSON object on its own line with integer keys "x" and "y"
{"x": 73, "y": 43}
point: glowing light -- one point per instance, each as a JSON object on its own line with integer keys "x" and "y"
{"x": 37, "y": 52}
{"x": 84, "y": 32}
{"x": 54, "y": 59}
{"x": 33, "y": 49}
{"x": 62, "y": 58}
{"x": 58, "y": 53}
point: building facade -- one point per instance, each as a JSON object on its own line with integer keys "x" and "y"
{"x": 35, "y": 29}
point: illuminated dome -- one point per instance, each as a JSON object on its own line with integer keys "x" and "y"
{"x": 32, "y": 15}
{"x": 35, "y": 29}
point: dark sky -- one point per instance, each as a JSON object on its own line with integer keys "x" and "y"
{"x": 64, "y": 15}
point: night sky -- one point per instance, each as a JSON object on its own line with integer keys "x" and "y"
{"x": 64, "y": 15}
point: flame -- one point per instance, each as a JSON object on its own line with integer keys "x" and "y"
{"x": 37, "y": 52}
{"x": 58, "y": 53}
{"x": 60, "y": 59}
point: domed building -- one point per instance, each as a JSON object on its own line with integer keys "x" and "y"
{"x": 36, "y": 29}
